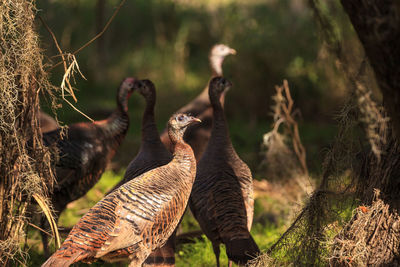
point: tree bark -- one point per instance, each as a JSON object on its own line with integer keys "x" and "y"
{"x": 377, "y": 23}
{"x": 371, "y": 238}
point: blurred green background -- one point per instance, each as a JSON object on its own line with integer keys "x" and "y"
{"x": 168, "y": 41}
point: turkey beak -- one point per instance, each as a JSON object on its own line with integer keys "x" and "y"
{"x": 232, "y": 51}
{"x": 194, "y": 120}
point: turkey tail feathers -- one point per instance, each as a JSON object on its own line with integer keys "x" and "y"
{"x": 60, "y": 261}
{"x": 164, "y": 256}
{"x": 242, "y": 250}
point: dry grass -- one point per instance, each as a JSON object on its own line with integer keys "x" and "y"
{"x": 264, "y": 261}
{"x": 284, "y": 163}
{"x": 284, "y": 156}
{"x": 371, "y": 227}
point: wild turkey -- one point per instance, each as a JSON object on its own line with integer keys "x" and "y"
{"x": 222, "y": 195}
{"x": 152, "y": 154}
{"x": 140, "y": 215}
{"x": 197, "y": 136}
{"x": 47, "y": 123}
{"x": 85, "y": 151}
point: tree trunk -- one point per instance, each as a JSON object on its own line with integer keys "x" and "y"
{"x": 377, "y": 23}
{"x": 372, "y": 238}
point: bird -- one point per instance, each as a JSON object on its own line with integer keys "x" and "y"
{"x": 222, "y": 195}
{"x": 140, "y": 215}
{"x": 198, "y": 135}
{"x": 152, "y": 154}
{"x": 84, "y": 152}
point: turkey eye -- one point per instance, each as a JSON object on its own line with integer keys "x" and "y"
{"x": 180, "y": 118}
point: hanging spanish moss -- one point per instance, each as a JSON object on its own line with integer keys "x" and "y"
{"x": 25, "y": 163}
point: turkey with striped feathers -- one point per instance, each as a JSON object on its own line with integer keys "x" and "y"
{"x": 197, "y": 136}
{"x": 152, "y": 154}
{"x": 139, "y": 216}
{"x": 84, "y": 153}
{"x": 222, "y": 195}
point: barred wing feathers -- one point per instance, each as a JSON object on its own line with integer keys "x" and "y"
{"x": 142, "y": 212}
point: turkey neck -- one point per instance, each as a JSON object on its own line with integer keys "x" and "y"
{"x": 216, "y": 65}
{"x": 183, "y": 153}
{"x": 149, "y": 128}
{"x": 220, "y": 140}
{"x": 117, "y": 124}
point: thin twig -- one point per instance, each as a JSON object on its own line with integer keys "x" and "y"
{"x": 68, "y": 71}
{"x": 284, "y": 113}
{"x": 20, "y": 262}
{"x": 40, "y": 229}
{"x": 97, "y": 36}
{"x": 61, "y": 53}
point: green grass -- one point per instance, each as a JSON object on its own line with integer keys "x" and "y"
{"x": 199, "y": 253}
{"x": 76, "y": 209}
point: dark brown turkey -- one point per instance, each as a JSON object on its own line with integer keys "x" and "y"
{"x": 197, "y": 136}
{"x": 85, "y": 151}
{"x": 222, "y": 195}
{"x": 139, "y": 216}
{"x": 152, "y": 154}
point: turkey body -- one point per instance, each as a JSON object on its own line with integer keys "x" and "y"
{"x": 85, "y": 151}
{"x": 138, "y": 216}
{"x": 222, "y": 195}
{"x": 198, "y": 135}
